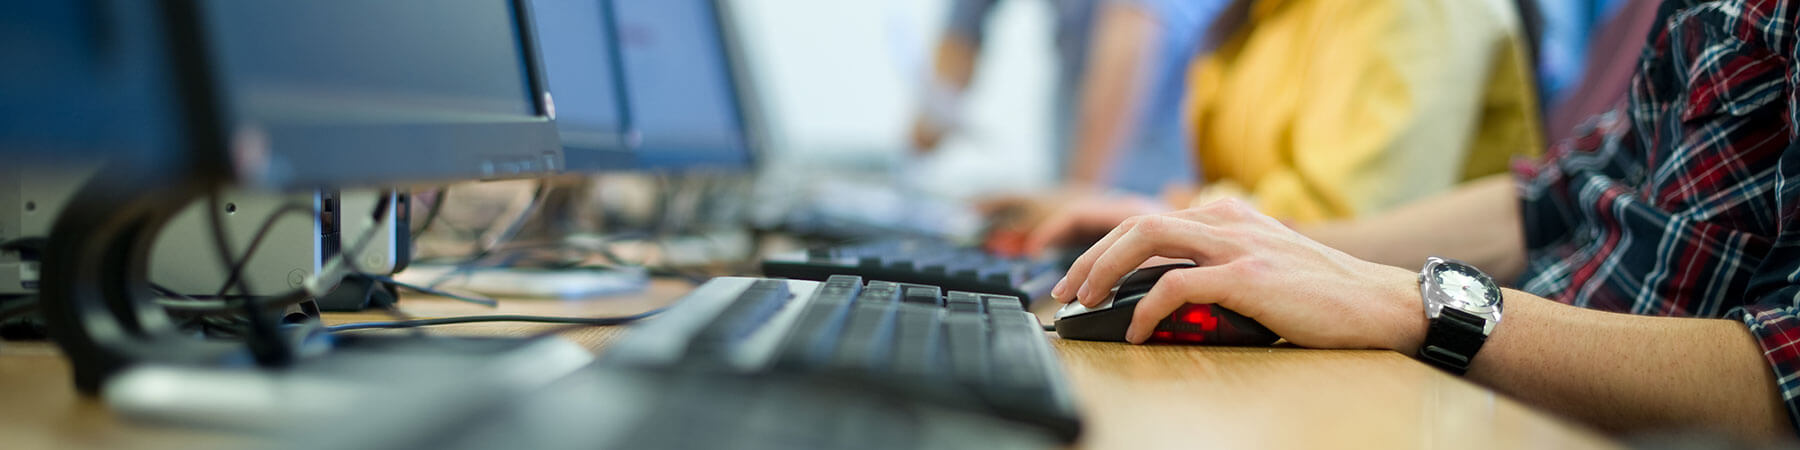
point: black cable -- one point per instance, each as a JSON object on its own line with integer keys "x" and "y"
{"x": 20, "y": 307}
{"x": 587, "y": 321}
{"x": 234, "y": 278}
{"x": 264, "y": 341}
{"x": 431, "y": 214}
{"x": 484, "y": 301}
{"x": 541, "y": 192}
{"x": 25, "y": 243}
{"x": 183, "y": 303}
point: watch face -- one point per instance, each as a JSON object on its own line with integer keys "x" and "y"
{"x": 1464, "y": 287}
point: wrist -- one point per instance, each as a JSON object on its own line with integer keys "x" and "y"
{"x": 1399, "y": 290}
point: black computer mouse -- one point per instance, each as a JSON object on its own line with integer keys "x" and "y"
{"x": 1191, "y": 324}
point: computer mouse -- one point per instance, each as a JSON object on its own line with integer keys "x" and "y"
{"x": 1191, "y": 324}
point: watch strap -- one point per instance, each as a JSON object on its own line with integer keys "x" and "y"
{"x": 1452, "y": 340}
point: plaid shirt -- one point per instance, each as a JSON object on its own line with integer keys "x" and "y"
{"x": 1685, "y": 201}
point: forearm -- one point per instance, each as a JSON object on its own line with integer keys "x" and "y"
{"x": 953, "y": 63}
{"x": 1115, "y": 80}
{"x": 1477, "y": 223}
{"x": 1626, "y": 372}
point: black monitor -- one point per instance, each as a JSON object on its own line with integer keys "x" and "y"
{"x": 327, "y": 93}
{"x": 687, "y": 91}
{"x": 93, "y": 79}
{"x": 185, "y": 96}
{"x": 581, "y": 61}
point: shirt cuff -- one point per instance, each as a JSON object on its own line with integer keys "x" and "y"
{"x": 1777, "y": 330}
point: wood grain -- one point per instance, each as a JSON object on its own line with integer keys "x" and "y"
{"x": 1132, "y": 397}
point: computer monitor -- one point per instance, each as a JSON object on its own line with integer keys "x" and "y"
{"x": 91, "y": 80}
{"x": 687, "y": 96}
{"x": 325, "y": 93}
{"x": 581, "y": 63}
{"x": 186, "y": 96}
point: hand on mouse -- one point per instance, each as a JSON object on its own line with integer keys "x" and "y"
{"x": 1310, "y": 294}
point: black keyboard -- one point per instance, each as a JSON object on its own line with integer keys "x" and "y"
{"x": 976, "y": 353}
{"x": 420, "y": 392}
{"x": 928, "y": 262}
{"x": 738, "y": 363}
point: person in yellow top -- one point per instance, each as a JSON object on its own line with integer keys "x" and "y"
{"x": 1315, "y": 110}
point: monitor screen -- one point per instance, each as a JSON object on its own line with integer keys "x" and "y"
{"x": 355, "y": 92}
{"x": 91, "y": 80}
{"x": 679, "y": 74}
{"x": 580, "y": 62}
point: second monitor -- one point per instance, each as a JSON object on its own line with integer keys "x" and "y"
{"x": 688, "y": 96}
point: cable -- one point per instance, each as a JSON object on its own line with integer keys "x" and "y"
{"x": 484, "y": 301}
{"x": 234, "y": 278}
{"x": 431, "y": 214}
{"x": 539, "y": 195}
{"x": 23, "y": 306}
{"x": 586, "y": 321}
{"x": 264, "y": 341}
{"x": 25, "y": 243}
{"x": 183, "y": 303}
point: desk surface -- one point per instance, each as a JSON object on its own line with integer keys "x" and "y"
{"x": 1133, "y": 397}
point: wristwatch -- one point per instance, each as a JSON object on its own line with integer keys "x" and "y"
{"x": 1463, "y": 305}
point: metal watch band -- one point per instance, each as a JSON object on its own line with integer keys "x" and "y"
{"x": 1452, "y": 340}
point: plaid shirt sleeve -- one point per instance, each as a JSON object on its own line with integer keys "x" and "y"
{"x": 1685, "y": 201}
{"x": 1773, "y": 308}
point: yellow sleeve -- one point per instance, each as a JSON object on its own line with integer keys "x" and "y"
{"x": 1394, "y": 97}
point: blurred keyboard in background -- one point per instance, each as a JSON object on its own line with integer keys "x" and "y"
{"x": 923, "y": 261}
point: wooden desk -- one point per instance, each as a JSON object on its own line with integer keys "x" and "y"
{"x": 1133, "y": 397}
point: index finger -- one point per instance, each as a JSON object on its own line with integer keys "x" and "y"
{"x": 1077, "y": 273}
{"x": 1153, "y": 236}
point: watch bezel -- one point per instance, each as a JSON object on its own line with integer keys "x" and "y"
{"x": 1436, "y": 299}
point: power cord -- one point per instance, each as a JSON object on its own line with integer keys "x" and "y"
{"x": 539, "y": 195}
{"x": 234, "y": 278}
{"x": 584, "y": 321}
{"x": 432, "y": 212}
{"x": 479, "y": 300}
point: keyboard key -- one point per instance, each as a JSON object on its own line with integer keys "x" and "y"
{"x": 1018, "y": 363}
{"x": 924, "y": 295}
{"x": 964, "y": 302}
{"x": 815, "y": 334}
{"x": 744, "y": 315}
{"x": 868, "y": 337}
{"x": 880, "y": 292}
{"x": 968, "y": 338}
{"x": 918, "y": 350}
{"x": 1002, "y": 303}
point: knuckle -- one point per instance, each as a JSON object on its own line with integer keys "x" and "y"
{"x": 1153, "y": 224}
{"x": 1178, "y": 281}
{"x": 1237, "y": 208}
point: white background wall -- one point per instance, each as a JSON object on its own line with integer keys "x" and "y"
{"x": 839, "y": 80}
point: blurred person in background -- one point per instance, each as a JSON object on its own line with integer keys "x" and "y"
{"x": 1313, "y": 110}
{"x": 1564, "y": 30}
{"x": 1118, "y": 89}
